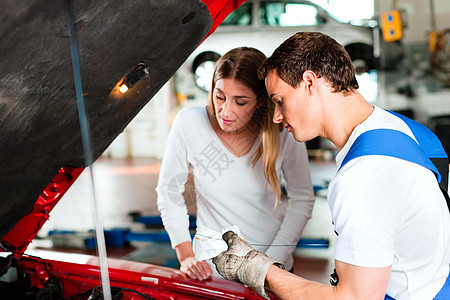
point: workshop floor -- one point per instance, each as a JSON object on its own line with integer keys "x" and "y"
{"x": 122, "y": 186}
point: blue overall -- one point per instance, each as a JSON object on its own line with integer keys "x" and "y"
{"x": 397, "y": 144}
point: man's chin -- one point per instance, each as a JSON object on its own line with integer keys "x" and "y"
{"x": 298, "y": 138}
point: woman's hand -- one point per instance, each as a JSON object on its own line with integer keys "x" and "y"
{"x": 199, "y": 270}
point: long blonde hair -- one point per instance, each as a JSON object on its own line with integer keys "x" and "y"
{"x": 242, "y": 64}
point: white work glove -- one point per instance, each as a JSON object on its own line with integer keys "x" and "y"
{"x": 244, "y": 264}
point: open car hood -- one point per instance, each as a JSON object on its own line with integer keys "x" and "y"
{"x": 40, "y": 141}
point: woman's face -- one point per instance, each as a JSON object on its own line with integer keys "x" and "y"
{"x": 234, "y": 104}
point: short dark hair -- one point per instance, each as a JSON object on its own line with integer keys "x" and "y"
{"x": 313, "y": 51}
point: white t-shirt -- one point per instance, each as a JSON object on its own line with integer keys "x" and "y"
{"x": 229, "y": 191}
{"x": 387, "y": 211}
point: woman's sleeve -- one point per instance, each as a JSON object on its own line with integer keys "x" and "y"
{"x": 172, "y": 178}
{"x": 295, "y": 168}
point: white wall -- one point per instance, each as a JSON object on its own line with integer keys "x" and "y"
{"x": 146, "y": 135}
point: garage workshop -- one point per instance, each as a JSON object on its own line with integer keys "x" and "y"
{"x": 225, "y": 149}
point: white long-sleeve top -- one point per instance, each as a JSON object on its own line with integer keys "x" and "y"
{"x": 230, "y": 191}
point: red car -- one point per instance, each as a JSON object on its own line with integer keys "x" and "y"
{"x": 64, "y": 71}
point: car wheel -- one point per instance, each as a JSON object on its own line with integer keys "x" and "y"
{"x": 360, "y": 66}
{"x": 362, "y": 57}
{"x": 203, "y": 69}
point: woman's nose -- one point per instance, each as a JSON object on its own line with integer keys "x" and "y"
{"x": 226, "y": 108}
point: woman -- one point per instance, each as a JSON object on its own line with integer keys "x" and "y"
{"x": 237, "y": 156}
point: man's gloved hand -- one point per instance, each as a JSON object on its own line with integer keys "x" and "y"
{"x": 244, "y": 264}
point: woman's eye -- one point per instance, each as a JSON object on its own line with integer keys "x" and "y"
{"x": 240, "y": 103}
{"x": 220, "y": 97}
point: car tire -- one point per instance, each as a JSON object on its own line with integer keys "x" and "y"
{"x": 362, "y": 57}
{"x": 203, "y": 67}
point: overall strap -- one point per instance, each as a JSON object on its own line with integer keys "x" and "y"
{"x": 444, "y": 293}
{"x": 389, "y": 142}
{"x": 431, "y": 145}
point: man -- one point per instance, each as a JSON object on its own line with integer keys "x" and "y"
{"x": 390, "y": 216}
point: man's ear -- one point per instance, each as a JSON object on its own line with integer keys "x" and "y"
{"x": 310, "y": 79}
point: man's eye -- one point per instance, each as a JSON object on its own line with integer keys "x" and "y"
{"x": 278, "y": 101}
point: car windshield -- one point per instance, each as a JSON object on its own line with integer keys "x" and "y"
{"x": 288, "y": 14}
{"x": 276, "y": 14}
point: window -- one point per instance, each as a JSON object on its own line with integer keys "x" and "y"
{"x": 360, "y": 9}
{"x": 240, "y": 17}
{"x": 288, "y": 14}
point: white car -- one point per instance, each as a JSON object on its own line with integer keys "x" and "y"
{"x": 265, "y": 24}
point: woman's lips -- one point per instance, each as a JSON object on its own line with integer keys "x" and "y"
{"x": 226, "y": 122}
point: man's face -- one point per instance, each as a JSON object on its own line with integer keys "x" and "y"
{"x": 293, "y": 107}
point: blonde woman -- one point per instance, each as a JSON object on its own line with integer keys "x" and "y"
{"x": 237, "y": 156}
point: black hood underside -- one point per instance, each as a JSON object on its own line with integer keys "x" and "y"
{"x": 40, "y": 128}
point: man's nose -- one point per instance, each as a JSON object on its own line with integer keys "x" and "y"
{"x": 277, "y": 116}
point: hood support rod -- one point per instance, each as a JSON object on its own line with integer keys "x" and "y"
{"x": 85, "y": 136}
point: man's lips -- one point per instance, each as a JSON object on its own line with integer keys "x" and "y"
{"x": 288, "y": 128}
